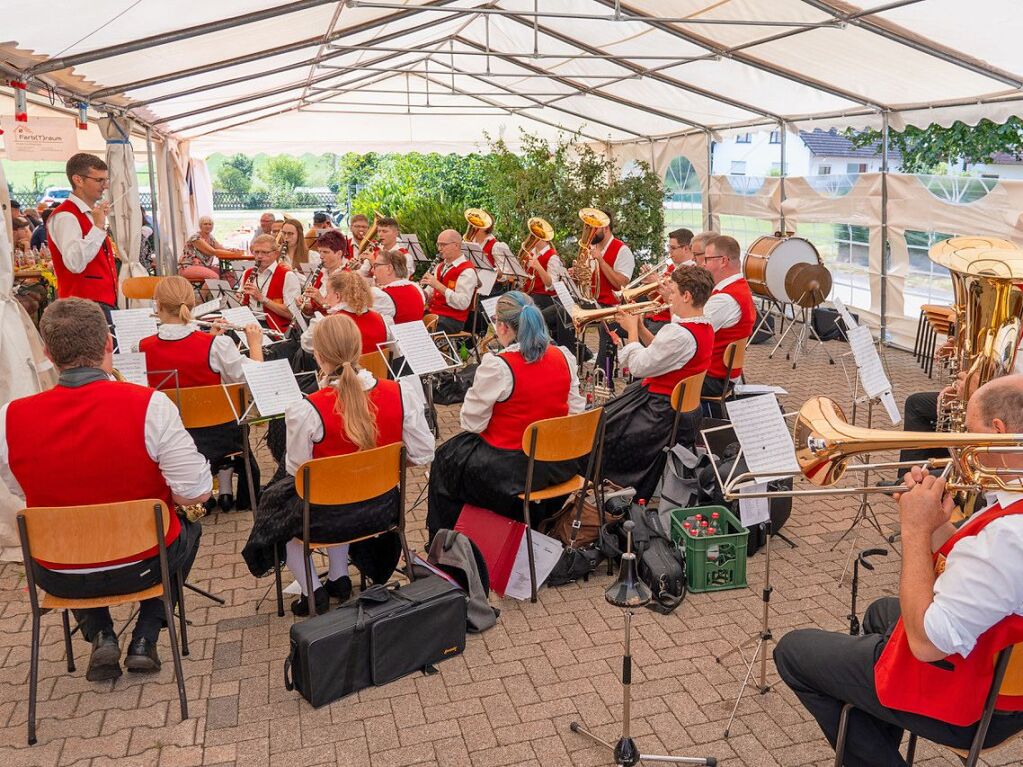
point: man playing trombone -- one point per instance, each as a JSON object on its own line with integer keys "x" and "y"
{"x": 924, "y": 662}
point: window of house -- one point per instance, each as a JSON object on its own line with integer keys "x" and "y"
{"x": 989, "y": 175}
{"x": 824, "y": 170}
{"x": 744, "y": 138}
{"x": 738, "y": 168}
{"x": 775, "y": 137}
{"x": 856, "y": 167}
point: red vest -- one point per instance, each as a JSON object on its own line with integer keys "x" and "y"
{"x": 385, "y": 398}
{"x": 665, "y": 315}
{"x": 371, "y": 326}
{"x": 99, "y": 280}
{"x": 665, "y": 383}
{"x": 408, "y": 302}
{"x": 540, "y": 390}
{"x": 605, "y": 290}
{"x": 275, "y": 292}
{"x": 488, "y": 250}
{"x": 535, "y": 284}
{"x": 739, "y": 290}
{"x": 93, "y": 437}
{"x": 190, "y": 356}
{"x": 448, "y": 277}
{"x": 954, "y": 695}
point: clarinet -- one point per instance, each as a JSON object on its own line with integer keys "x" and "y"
{"x": 303, "y": 301}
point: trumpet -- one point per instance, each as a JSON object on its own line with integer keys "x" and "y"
{"x": 539, "y": 231}
{"x": 479, "y": 222}
{"x": 584, "y": 268}
{"x": 630, "y": 291}
{"x": 238, "y": 328}
{"x": 583, "y": 317}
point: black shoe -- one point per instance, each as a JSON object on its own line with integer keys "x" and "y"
{"x": 210, "y": 504}
{"x": 104, "y": 663}
{"x": 341, "y": 589}
{"x": 142, "y": 656}
{"x": 226, "y": 502}
{"x": 300, "y": 606}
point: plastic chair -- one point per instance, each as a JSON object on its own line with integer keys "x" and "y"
{"x": 345, "y": 479}
{"x": 685, "y": 398}
{"x": 560, "y": 439}
{"x": 139, "y": 288}
{"x": 79, "y": 535}
{"x": 733, "y": 357}
{"x": 1008, "y": 680}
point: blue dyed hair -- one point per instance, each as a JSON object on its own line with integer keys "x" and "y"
{"x": 518, "y": 311}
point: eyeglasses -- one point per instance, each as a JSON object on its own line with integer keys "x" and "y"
{"x": 377, "y": 263}
{"x": 707, "y": 258}
{"x": 445, "y": 244}
{"x": 96, "y": 178}
{"x": 262, "y": 252}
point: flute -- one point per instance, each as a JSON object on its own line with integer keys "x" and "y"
{"x": 238, "y": 328}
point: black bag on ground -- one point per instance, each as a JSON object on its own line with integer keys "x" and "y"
{"x": 450, "y": 388}
{"x": 384, "y": 634}
{"x": 765, "y": 328}
{"x": 829, "y": 325}
{"x": 662, "y": 564}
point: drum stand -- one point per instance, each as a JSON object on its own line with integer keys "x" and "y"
{"x": 806, "y": 328}
{"x": 768, "y": 306}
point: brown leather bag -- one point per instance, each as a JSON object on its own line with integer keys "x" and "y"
{"x": 563, "y": 524}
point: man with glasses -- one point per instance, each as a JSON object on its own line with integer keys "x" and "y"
{"x": 451, "y": 286}
{"x": 395, "y": 295}
{"x": 269, "y": 286}
{"x": 83, "y": 254}
{"x": 730, "y": 308}
{"x": 681, "y": 254}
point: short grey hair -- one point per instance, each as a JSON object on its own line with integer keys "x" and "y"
{"x": 1002, "y": 398}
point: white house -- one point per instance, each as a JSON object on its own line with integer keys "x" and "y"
{"x": 808, "y": 153}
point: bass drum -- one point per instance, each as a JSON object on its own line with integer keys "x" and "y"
{"x": 773, "y": 261}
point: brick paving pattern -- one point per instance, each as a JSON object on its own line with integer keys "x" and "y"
{"x": 507, "y": 701}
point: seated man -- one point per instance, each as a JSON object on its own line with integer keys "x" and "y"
{"x": 109, "y": 442}
{"x": 925, "y": 660}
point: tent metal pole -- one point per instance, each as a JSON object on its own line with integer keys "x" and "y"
{"x": 169, "y": 175}
{"x": 885, "y": 250}
{"x": 158, "y": 261}
{"x": 784, "y": 172}
{"x": 710, "y": 175}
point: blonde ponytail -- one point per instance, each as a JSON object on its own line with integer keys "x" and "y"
{"x": 174, "y": 296}
{"x": 338, "y": 344}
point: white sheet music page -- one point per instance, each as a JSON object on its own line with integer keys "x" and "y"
{"x": 206, "y": 308}
{"x": 418, "y": 348}
{"x": 546, "y": 553}
{"x": 242, "y": 316}
{"x": 273, "y": 386}
{"x": 847, "y": 318}
{"x": 763, "y": 435}
{"x": 131, "y": 326}
{"x": 490, "y": 306}
{"x": 753, "y": 511}
{"x": 132, "y": 365}
{"x": 564, "y": 295}
{"x": 872, "y": 375}
{"x": 487, "y": 278}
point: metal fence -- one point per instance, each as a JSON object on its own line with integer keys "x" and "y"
{"x": 231, "y": 201}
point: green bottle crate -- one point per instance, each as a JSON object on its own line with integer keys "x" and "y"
{"x": 716, "y": 562}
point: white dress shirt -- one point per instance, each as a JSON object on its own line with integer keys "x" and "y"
{"x": 75, "y": 250}
{"x": 494, "y": 383}
{"x": 721, "y": 309}
{"x": 305, "y": 427}
{"x": 555, "y": 267}
{"x": 383, "y": 305}
{"x": 671, "y": 349}
{"x": 291, "y": 289}
{"x": 625, "y": 261}
{"x": 224, "y": 355}
{"x": 981, "y": 584}
{"x": 459, "y": 297}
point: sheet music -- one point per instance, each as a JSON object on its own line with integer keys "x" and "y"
{"x": 219, "y": 287}
{"x": 508, "y": 262}
{"x": 761, "y": 430}
{"x": 872, "y": 375}
{"x": 888, "y": 401}
{"x": 417, "y": 347}
{"x": 297, "y": 315}
{"x": 411, "y": 243}
{"x": 273, "y": 386}
{"x": 753, "y": 511}
{"x": 131, "y": 326}
{"x": 207, "y": 307}
{"x": 564, "y": 295}
{"x": 546, "y": 553}
{"x": 742, "y": 388}
{"x": 242, "y": 316}
{"x": 487, "y": 278}
{"x": 490, "y": 306}
{"x": 847, "y": 318}
{"x": 132, "y": 365}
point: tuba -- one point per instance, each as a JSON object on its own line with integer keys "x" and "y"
{"x": 479, "y": 222}
{"x": 539, "y": 231}
{"x": 986, "y": 274}
{"x": 584, "y": 268}
{"x": 368, "y": 238}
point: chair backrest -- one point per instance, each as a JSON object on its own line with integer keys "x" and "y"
{"x": 351, "y": 478}
{"x": 430, "y": 320}
{"x": 81, "y": 535}
{"x": 202, "y": 406}
{"x": 735, "y": 354}
{"x": 140, "y": 288}
{"x": 562, "y": 439}
{"x": 1012, "y": 682}
{"x": 686, "y": 394}
{"x": 375, "y": 363}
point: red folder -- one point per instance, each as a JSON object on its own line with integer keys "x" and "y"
{"x": 498, "y": 539}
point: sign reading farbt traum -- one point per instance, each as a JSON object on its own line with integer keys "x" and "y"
{"x": 41, "y": 138}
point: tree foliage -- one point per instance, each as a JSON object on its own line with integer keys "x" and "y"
{"x": 924, "y": 150}
{"x": 242, "y": 163}
{"x": 283, "y": 173}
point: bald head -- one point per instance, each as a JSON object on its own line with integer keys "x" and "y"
{"x": 449, "y": 245}
{"x": 997, "y": 402}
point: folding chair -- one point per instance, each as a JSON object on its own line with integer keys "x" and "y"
{"x": 376, "y": 363}
{"x": 733, "y": 357}
{"x": 1008, "y": 680}
{"x": 560, "y": 439}
{"x": 685, "y": 398}
{"x": 345, "y": 479}
{"x": 80, "y": 535}
{"x": 140, "y": 288}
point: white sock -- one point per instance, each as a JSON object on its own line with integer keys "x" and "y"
{"x": 338, "y": 557}
{"x": 293, "y": 558}
{"x": 225, "y": 481}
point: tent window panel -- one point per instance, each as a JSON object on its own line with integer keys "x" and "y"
{"x": 738, "y": 168}
{"x": 683, "y": 198}
{"x": 926, "y": 282}
{"x": 845, "y": 249}
{"x": 958, "y": 190}
{"x": 746, "y": 229}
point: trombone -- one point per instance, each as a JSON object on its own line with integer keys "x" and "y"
{"x": 584, "y": 317}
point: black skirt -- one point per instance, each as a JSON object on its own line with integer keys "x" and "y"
{"x": 215, "y": 443}
{"x": 278, "y": 519}
{"x": 638, "y": 426}
{"x": 468, "y": 470}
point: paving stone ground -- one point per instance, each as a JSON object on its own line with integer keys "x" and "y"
{"x": 508, "y": 700}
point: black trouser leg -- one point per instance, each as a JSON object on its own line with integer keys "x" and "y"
{"x": 449, "y": 324}
{"x": 607, "y": 350}
{"x": 714, "y": 387}
{"x": 559, "y": 325}
{"x": 921, "y": 414}
{"x": 93, "y": 620}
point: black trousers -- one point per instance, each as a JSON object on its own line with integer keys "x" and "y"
{"x": 449, "y": 324}
{"x": 123, "y": 580}
{"x": 921, "y": 414}
{"x": 827, "y": 669}
{"x": 559, "y": 325}
{"x": 715, "y": 387}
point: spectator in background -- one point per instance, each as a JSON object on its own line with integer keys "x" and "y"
{"x": 15, "y": 210}
{"x": 321, "y": 223}
{"x": 266, "y": 222}
{"x": 33, "y": 217}
{"x": 22, "y": 237}
{"x": 39, "y": 235}
{"x": 202, "y": 253}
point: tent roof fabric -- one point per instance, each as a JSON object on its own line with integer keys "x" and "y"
{"x": 439, "y": 75}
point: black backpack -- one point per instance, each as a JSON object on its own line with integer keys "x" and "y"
{"x": 662, "y": 564}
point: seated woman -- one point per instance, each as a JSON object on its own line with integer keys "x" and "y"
{"x": 353, "y": 411}
{"x": 201, "y": 359}
{"x": 530, "y": 380}
{"x": 202, "y": 254}
{"x": 639, "y": 421}
{"x": 349, "y": 295}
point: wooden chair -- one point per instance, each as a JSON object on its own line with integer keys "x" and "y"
{"x": 376, "y": 363}
{"x": 733, "y": 357}
{"x": 79, "y": 535}
{"x": 345, "y": 479}
{"x": 560, "y": 439}
{"x": 430, "y": 320}
{"x": 1008, "y": 680}
{"x": 139, "y": 288}
{"x": 685, "y": 398}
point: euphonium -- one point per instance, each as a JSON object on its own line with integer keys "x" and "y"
{"x": 368, "y": 237}
{"x": 584, "y": 268}
{"x": 479, "y": 222}
{"x": 539, "y": 231}
{"x": 985, "y": 275}
{"x": 583, "y": 317}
